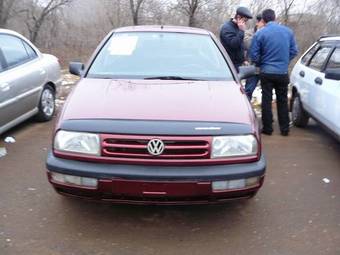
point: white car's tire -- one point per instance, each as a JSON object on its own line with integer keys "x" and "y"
{"x": 299, "y": 116}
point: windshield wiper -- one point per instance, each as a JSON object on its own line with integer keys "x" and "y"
{"x": 171, "y": 78}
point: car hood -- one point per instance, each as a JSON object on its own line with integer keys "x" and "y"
{"x": 212, "y": 101}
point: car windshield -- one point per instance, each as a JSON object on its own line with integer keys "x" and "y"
{"x": 160, "y": 55}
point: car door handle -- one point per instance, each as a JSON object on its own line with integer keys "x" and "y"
{"x": 4, "y": 87}
{"x": 302, "y": 74}
{"x": 318, "y": 80}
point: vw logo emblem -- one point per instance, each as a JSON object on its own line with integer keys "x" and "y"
{"x": 155, "y": 147}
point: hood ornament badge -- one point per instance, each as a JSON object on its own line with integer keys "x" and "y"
{"x": 156, "y": 147}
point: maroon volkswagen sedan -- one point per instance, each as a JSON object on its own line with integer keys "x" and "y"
{"x": 158, "y": 117}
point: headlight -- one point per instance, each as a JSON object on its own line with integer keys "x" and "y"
{"x": 233, "y": 146}
{"x": 78, "y": 142}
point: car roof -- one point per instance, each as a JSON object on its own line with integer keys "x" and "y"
{"x": 10, "y": 32}
{"x": 161, "y": 28}
{"x": 326, "y": 38}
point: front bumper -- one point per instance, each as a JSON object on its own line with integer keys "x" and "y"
{"x": 137, "y": 184}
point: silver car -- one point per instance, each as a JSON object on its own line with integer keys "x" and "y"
{"x": 28, "y": 81}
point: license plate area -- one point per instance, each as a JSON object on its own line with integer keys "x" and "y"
{"x": 160, "y": 189}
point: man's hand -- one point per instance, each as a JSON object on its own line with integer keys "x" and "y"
{"x": 241, "y": 24}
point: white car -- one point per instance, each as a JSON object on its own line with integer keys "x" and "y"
{"x": 315, "y": 80}
{"x": 28, "y": 81}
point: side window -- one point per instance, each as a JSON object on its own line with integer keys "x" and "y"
{"x": 31, "y": 53}
{"x": 305, "y": 59}
{"x": 334, "y": 61}
{"x": 13, "y": 50}
{"x": 319, "y": 58}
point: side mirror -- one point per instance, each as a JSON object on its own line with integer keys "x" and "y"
{"x": 76, "y": 68}
{"x": 246, "y": 72}
{"x": 332, "y": 74}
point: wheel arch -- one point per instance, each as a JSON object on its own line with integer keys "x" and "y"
{"x": 52, "y": 85}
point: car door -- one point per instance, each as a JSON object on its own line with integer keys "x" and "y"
{"x": 314, "y": 77}
{"x": 329, "y": 93}
{"x": 8, "y": 95}
{"x": 21, "y": 80}
{"x": 300, "y": 76}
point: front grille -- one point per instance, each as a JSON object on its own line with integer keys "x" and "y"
{"x": 135, "y": 147}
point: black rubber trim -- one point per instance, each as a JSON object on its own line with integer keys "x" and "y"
{"x": 155, "y": 127}
{"x": 137, "y": 172}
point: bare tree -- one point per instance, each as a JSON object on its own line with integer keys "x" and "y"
{"x": 117, "y": 12}
{"x": 257, "y": 6}
{"x": 156, "y": 12}
{"x": 49, "y": 19}
{"x": 215, "y": 13}
{"x": 6, "y": 12}
{"x": 116, "y": 20}
{"x": 38, "y": 13}
{"x": 135, "y": 6}
{"x": 331, "y": 21}
{"x": 190, "y": 9}
{"x": 287, "y": 6}
{"x": 282, "y": 7}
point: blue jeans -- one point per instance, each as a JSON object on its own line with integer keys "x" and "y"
{"x": 251, "y": 85}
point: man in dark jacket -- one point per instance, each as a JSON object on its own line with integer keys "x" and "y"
{"x": 232, "y": 35}
{"x": 251, "y": 82}
{"x": 272, "y": 49}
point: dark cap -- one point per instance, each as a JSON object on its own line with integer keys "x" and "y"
{"x": 244, "y": 12}
{"x": 258, "y": 17}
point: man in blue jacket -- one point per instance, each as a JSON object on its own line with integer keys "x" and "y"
{"x": 232, "y": 35}
{"x": 272, "y": 49}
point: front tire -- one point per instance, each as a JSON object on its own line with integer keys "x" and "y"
{"x": 46, "y": 104}
{"x": 299, "y": 115}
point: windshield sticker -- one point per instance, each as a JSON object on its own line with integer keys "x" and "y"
{"x": 123, "y": 45}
